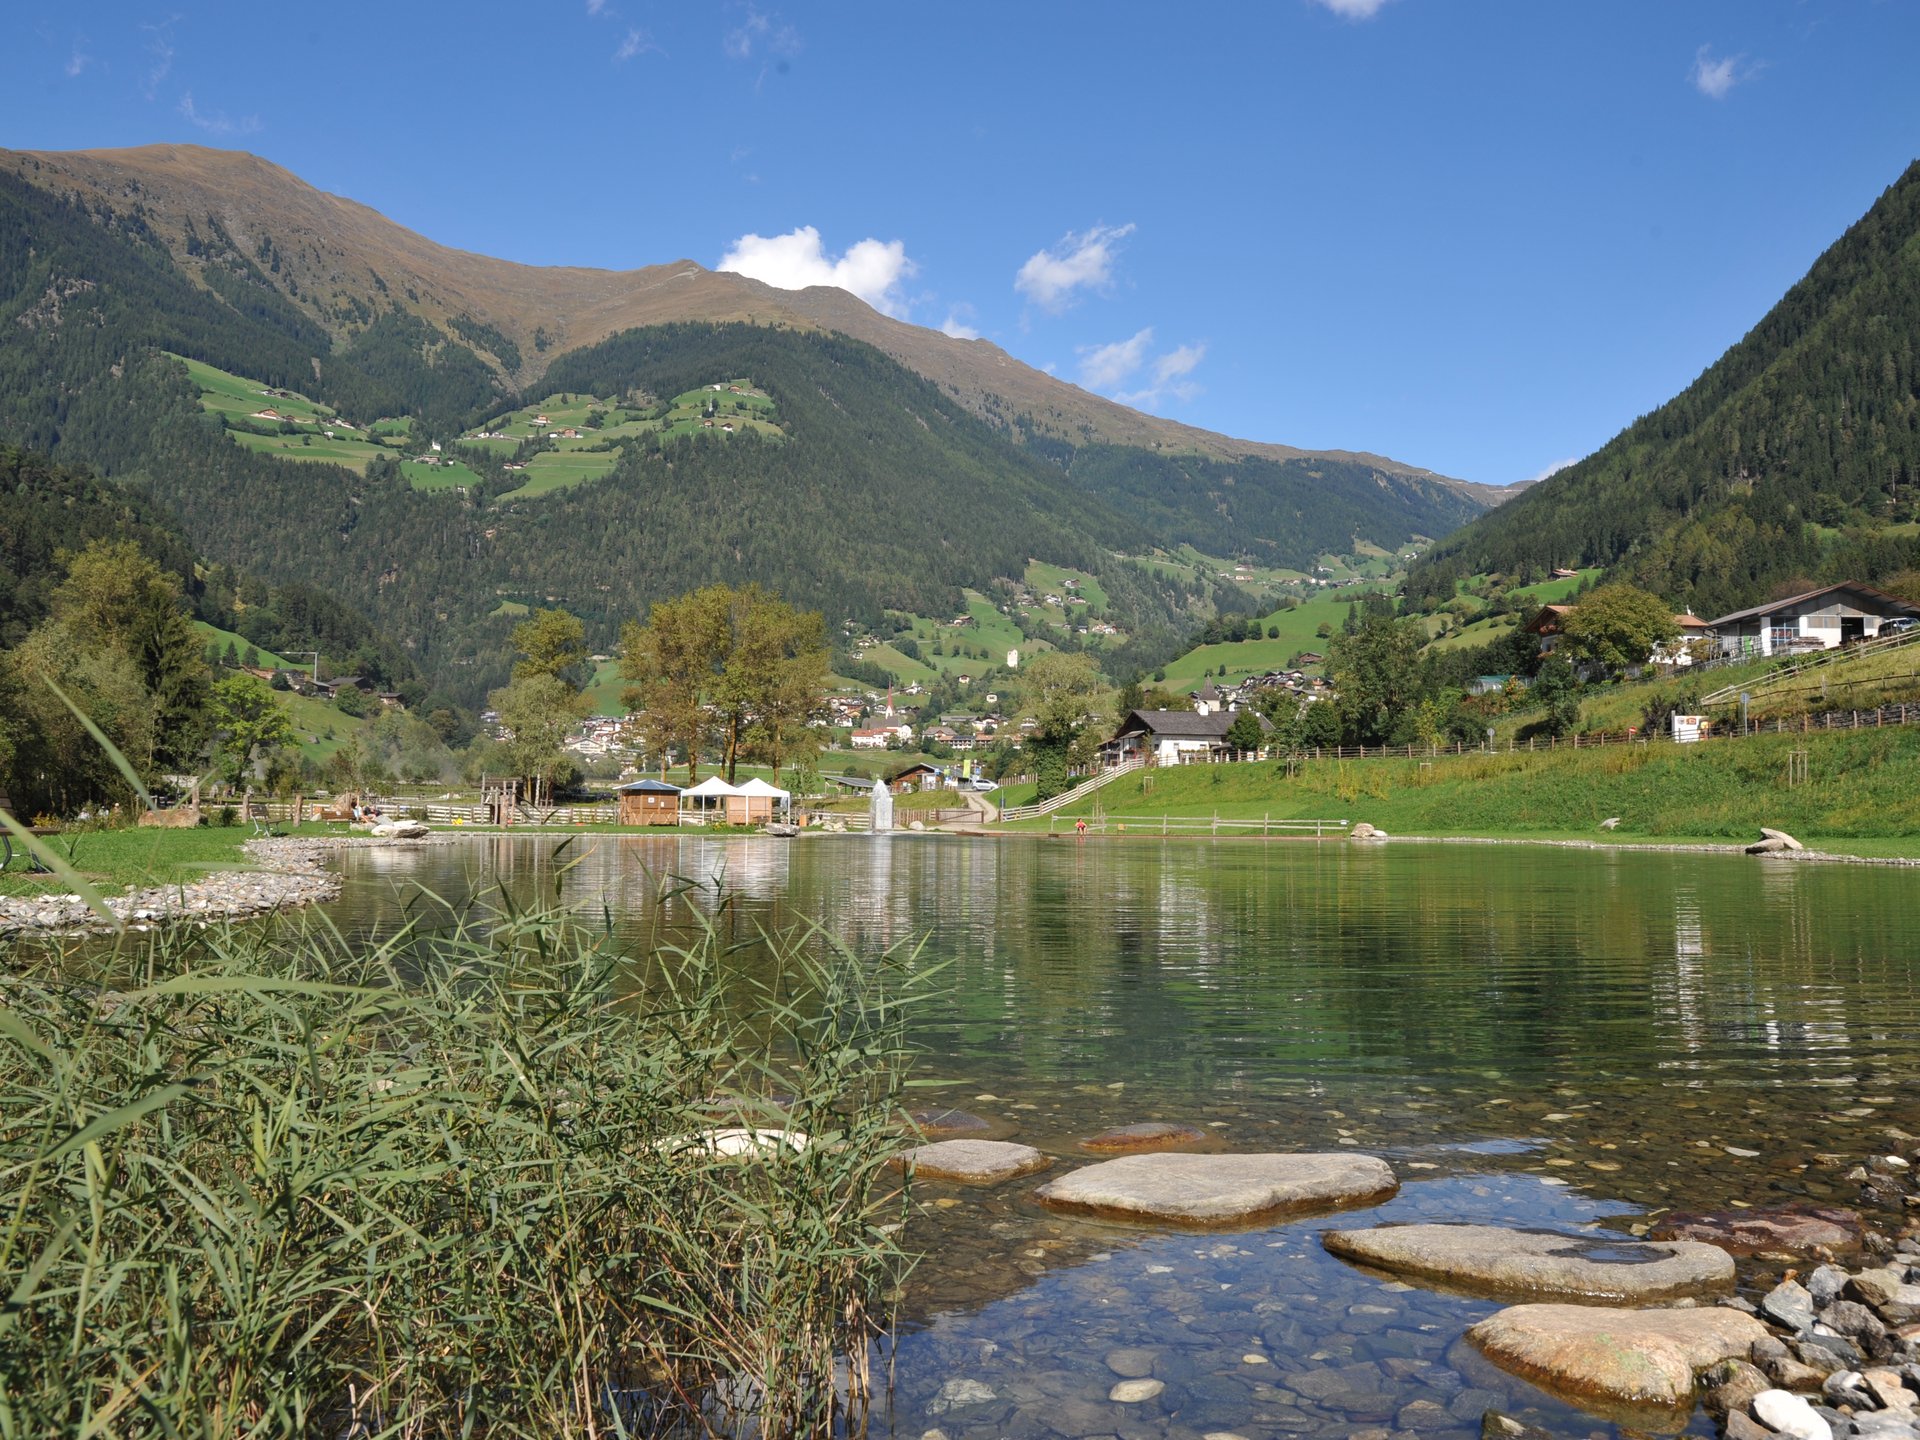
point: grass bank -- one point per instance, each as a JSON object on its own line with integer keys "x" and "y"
{"x": 1860, "y": 786}
{"x": 262, "y": 1184}
{"x": 117, "y": 860}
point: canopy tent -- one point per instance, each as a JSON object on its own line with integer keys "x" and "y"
{"x": 757, "y": 786}
{"x": 710, "y": 798}
{"x": 758, "y": 803}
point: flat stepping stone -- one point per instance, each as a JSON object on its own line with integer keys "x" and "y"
{"x": 1627, "y": 1357}
{"x": 1218, "y": 1189}
{"x": 1147, "y": 1135}
{"x": 971, "y": 1162}
{"x": 1790, "y": 1230}
{"x": 1490, "y": 1259}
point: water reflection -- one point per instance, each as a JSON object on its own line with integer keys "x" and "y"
{"x": 1538, "y": 1035}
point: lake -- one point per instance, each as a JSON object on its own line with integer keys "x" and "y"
{"x": 1552, "y": 1037}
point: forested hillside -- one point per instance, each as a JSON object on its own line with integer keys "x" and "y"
{"x": 1276, "y": 512}
{"x": 882, "y": 492}
{"x": 1795, "y": 456}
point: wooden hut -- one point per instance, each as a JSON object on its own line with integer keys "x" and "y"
{"x": 649, "y": 802}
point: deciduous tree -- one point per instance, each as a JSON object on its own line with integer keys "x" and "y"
{"x": 1617, "y": 626}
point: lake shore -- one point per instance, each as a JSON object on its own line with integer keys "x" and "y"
{"x": 278, "y": 873}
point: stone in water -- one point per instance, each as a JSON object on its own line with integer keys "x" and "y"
{"x": 972, "y": 1162}
{"x": 1491, "y": 1259}
{"x": 1219, "y": 1189}
{"x": 1632, "y": 1357}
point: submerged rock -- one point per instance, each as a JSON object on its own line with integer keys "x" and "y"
{"x": 972, "y": 1162}
{"x": 1635, "y": 1357}
{"x": 1790, "y": 1230}
{"x": 949, "y": 1122}
{"x": 1219, "y": 1189}
{"x": 1147, "y": 1135}
{"x": 1492, "y": 1259}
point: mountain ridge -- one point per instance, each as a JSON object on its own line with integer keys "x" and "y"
{"x": 1793, "y": 458}
{"x": 316, "y": 243}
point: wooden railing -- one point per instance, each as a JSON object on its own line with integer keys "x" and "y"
{"x": 1067, "y": 797}
{"x": 1760, "y": 685}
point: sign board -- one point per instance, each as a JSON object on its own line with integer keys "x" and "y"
{"x": 1688, "y": 729}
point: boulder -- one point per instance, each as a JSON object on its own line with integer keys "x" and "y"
{"x": 1788, "y": 1414}
{"x": 1219, "y": 1189}
{"x": 1630, "y": 1357}
{"x": 1612, "y": 822}
{"x": 1489, "y": 1259}
{"x": 1363, "y": 831}
{"x": 399, "y": 830}
{"x": 971, "y": 1162}
{"x": 1147, "y": 1135}
{"x": 1787, "y": 842}
{"x": 1790, "y": 1230}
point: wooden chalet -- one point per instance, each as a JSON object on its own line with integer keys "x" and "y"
{"x": 649, "y": 802}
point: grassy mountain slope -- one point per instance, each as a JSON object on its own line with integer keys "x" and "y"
{"x": 1796, "y": 455}
{"x": 341, "y": 264}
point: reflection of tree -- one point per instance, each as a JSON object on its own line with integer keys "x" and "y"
{"x": 1209, "y": 968}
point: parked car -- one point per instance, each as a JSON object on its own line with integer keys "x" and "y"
{"x": 1899, "y": 625}
{"x": 980, "y": 782}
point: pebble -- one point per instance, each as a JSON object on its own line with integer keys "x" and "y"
{"x": 1132, "y": 1392}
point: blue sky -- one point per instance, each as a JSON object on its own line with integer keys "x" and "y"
{"x": 1476, "y": 235}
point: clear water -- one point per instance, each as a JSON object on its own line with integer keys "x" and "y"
{"x": 1537, "y": 1036}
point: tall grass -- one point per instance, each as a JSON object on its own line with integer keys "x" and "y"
{"x": 267, "y": 1182}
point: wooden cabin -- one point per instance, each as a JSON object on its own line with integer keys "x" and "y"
{"x": 649, "y": 802}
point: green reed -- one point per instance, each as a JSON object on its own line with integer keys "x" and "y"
{"x": 262, "y": 1181}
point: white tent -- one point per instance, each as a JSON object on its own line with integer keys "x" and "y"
{"x": 710, "y": 795}
{"x": 782, "y": 799}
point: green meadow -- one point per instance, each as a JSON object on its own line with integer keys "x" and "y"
{"x": 1861, "y": 785}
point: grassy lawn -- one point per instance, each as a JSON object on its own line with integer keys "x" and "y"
{"x": 437, "y": 477}
{"x": 1298, "y": 629}
{"x": 119, "y": 860}
{"x": 354, "y": 454}
{"x": 1862, "y": 786}
{"x": 213, "y": 634}
{"x": 561, "y": 469}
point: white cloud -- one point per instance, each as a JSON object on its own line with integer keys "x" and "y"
{"x": 1050, "y": 278}
{"x": 1168, "y": 375}
{"x": 160, "y": 47}
{"x": 79, "y": 61}
{"x": 871, "y": 269}
{"x": 1554, "y": 469}
{"x": 761, "y": 32}
{"x": 638, "y": 42}
{"x": 1104, "y": 367}
{"x": 1178, "y": 363}
{"x": 596, "y": 7}
{"x": 1353, "y": 9}
{"x": 1715, "y": 78}
{"x": 957, "y": 328}
{"x": 217, "y": 123}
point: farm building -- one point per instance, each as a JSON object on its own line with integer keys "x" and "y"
{"x": 649, "y": 802}
{"x": 1822, "y": 619}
